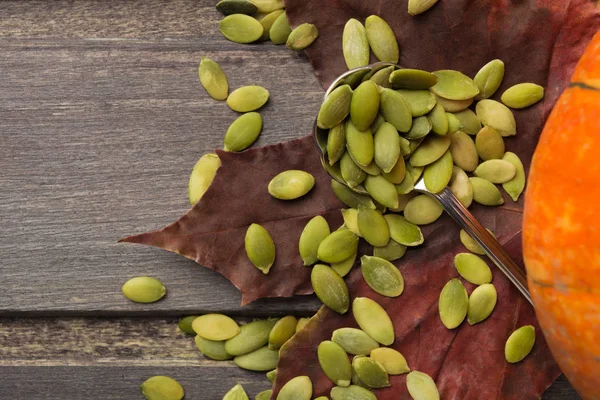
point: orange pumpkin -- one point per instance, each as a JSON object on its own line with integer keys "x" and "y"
{"x": 561, "y": 227}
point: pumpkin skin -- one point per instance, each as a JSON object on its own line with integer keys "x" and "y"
{"x": 561, "y": 227}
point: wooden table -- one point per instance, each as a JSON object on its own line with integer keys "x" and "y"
{"x": 101, "y": 119}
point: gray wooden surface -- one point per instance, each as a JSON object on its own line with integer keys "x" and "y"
{"x": 101, "y": 119}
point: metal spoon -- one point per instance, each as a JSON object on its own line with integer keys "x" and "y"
{"x": 448, "y": 200}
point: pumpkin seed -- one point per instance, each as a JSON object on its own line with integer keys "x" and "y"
{"x": 330, "y": 288}
{"x": 352, "y": 392}
{"x": 392, "y": 360}
{"x": 350, "y": 216}
{"x": 403, "y": 200}
{"x": 432, "y": 148}
{"x": 515, "y": 186}
{"x": 334, "y": 363}
{"x": 349, "y": 197}
{"x": 371, "y": 169}
{"x": 519, "y": 344}
{"x": 359, "y": 144}
{"x": 280, "y": 30}
{"x": 392, "y": 251}
{"x": 236, "y": 393}
{"x": 382, "y": 191}
{"x": 252, "y": 336}
{"x": 248, "y": 98}
{"x": 423, "y": 210}
{"x": 397, "y": 173}
{"x": 370, "y": 372}
{"x": 382, "y": 276}
{"x": 213, "y": 79}
{"x": 481, "y": 303}
{"x": 302, "y": 322}
{"x": 489, "y": 78}
{"x": 336, "y": 143}
{"x": 185, "y": 324}
{"x": 382, "y": 77}
{"x": 402, "y": 231}
{"x": 387, "y": 147}
{"x": 354, "y": 341}
{"x": 420, "y": 101}
{"x": 377, "y": 123}
{"x": 202, "y": 176}
{"x": 337, "y": 246}
{"x": 352, "y": 174}
{"x": 264, "y": 395}
{"x": 298, "y": 388}
{"x": 421, "y": 126}
{"x": 453, "y": 123}
{"x": 373, "y": 319}
{"x": 344, "y": 267}
{"x": 413, "y": 146}
{"x": 496, "y": 171}
{"x": 421, "y": 386}
{"x": 454, "y": 85}
{"x": 364, "y": 105}
{"x": 272, "y": 375}
{"x": 405, "y": 149}
{"x": 414, "y": 79}
{"x": 356, "y": 380}
{"x": 453, "y": 304}
{"x": 263, "y": 359}
{"x": 395, "y": 109}
{"x": 260, "y": 248}
{"x": 143, "y": 289}
{"x": 243, "y": 131}
{"x": 162, "y": 388}
{"x": 439, "y": 120}
{"x": 416, "y": 7}
{"x": 489, "y": 144}
{"x": 415, "y": 172}
{"x": 302, "y": 36}
{"x": 460, "y": 185}
{"x": 291, "y": 184}
{"x": 282, "y": 331}
{"x": 372, "y": 227}
{"x": 267, "y": 23}
{"x": 322, "y": 398}
{"x": 485, "y": 192}
{"x": 355, "y": 45}
{"x": 267, "y": 6}
{"x": 335, "y": 108}
{"x": 241, "y": 28}
{"x": 469, "y": 121}
{"x": 228, "y": 7}
{"x": 437, "y": 175}
{"x": 498, "y": 116}
{"x": 452, "y": 106}
{"x": 470, "y": 243}
{"x": 463, "y": 150}
{"x": 406, "y": 186}
{"x": 215, "y": 350}
{"x": 312, "y": 235}
{"x": 382, "y": 39}
{"x": 215, "y": 327}
{"x": 522, "y": 95}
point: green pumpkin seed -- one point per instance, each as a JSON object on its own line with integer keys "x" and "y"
{"x": 453, "y": 106}
{"x": 202, "y": 176}
{"x": 382, "y": 39}
{"x": 322, "y": 398}
{"x": 282, "y": 331}
{"x": 371, "y": 169}
{"x": 437, "y": 175}
{"x": 143, "y": 289}
{"x": 352, "y": 174}
{"x": 302, "y": 322}
{"x": 464, "y": 152}
{"x": 252, "y": 336}
{"x": 248, "y": 98}
{"x": 522, "y": 95}
{"x": 336, "y": 143}
{"x": 515, "y": 186}
{"x": 382, "y": 191}
{"x": 519, "y": 344}
{"x": 496, "y": 171}
{"x": 386, "y": 147}
{"x": 406, "y": 186}
{"x": 330, "y": 288}
{"x": 272, "y": 375}
{"x": 372, "y": 227}
{"x": 355, "y": 45}
{"x": 312, "y": 235}
{"x": 392, "y": 251}
{"x": 420, "y": 101}
{"x": 489, "y": 144}
{"x": 432, "y": 148}
{"x": 354, "y": 341}
{"x": 396, "y": 110}
{"x": 469, "y": 121}
{"x": 359, "y": 144}
{"x": 460, "y": 185}
{"x": 291, "y": 184}
{"x": 356, "y": 380}
{"x": 267, "y": 6}
{"x": 498, "y": 116}
{"x": 243, "y": 131}
{"x": 343, "y": 267}
{"x": 470, "y": 243}
{"x": 267, "y": 23}
{"x": 373, "y": 319}
{"x": 337, "y": 246}
{"x": 454, "y": 85}
{"x": 213, "y": 79}
{"x": 382, "y": 276}
{"x": 382, "y": 77}
{"x": 405, "y": 147}
{"x": 439, "y": 120}
{"x": 241, "y": 28}
{"x": 260, "y": 248}
{"x": 228, "y": 7}
{"x": 215, "y": 350}
{"x": 351, "y": 392}
{"x": 162, "y": 388}
{"x": 398, "y": 171}
{"x": 280, "y": 30}
{"x": 416, "y": 7}
{"x": 421, "y": 126}
{"x": 421, "y": 386}
{"x": 489, "y": 78}
{"x": 377, "y": 123}
{"x": 364, "y": 105}
{"x": 263, "y": 359}
{"x": 485, "y": 192}
{"x": 298, "y": 388}
{"x": 403, "y": 200}
{"x": 392, "y": 360}
{"x": 185, "y": 324}
{"x": 350, "y": 216}
{"x": 423, "y": 210}
{"x": 370, "y": 372}
{"x": 302, "y": 36}
{"x": 453, "y": 123}
{"x": 215, "y": 327}
{"x": 404, "y": 232}
{"x": 414, "y": 79}
{"x": 349, "y": 197}
{"x": 453, "y": 304}
{"x": 334, "y": 363}
{"x": 236, "y": 393}
{"x": 414, "y": 144}
{"x": 335, "y": 108}
{"x": 415, "y": 172}
{"x": 481, "y": 303}
{"x": 264, "y": 395}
